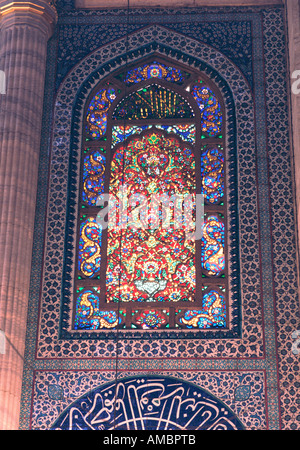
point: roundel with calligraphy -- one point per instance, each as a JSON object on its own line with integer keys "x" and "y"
{"x": 150, "y": 402}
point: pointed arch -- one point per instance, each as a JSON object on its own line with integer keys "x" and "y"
{"x": 232, "y": 96}
{"x": 149, "y": 273}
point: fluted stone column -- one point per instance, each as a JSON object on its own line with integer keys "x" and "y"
{"x": 25, "y": 28}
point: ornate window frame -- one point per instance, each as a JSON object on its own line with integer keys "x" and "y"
{"x": 233, "y": 328}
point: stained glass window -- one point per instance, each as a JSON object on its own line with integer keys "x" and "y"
{"x": 211, "y": 115}
{"x": 153, "y": 102}
{"x": 93, "y": 176}
{"x": 156, "y": 260}
{"x": 186, "y": 132}
{"x": 154, "y": 70}
{"x": 212, "y": 173}
{"x": 213, "y": 314}
{"x": 96, "y": 119}
{"x": 88, "y": 314}
{"x": 213, "y": 242}
{"x": 153, "y": 142}
{"x": 89, "y": 255}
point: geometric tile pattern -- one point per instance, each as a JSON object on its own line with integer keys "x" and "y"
{"x": 242, "y": 392}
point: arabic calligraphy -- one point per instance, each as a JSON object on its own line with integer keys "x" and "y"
{"x": 148, "y": 403}
{"x": 153, "y": 102}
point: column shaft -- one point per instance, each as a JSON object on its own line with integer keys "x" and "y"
{"x": 24, "y": 36}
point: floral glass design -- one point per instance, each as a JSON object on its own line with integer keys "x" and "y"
{"x": 212, "y": 174}
{"x": 213, "y": 314}
{"x": 121, "y": 133}
{"x": 156, "y": 263}
{"x": 211, "y": 121}
{"x": 89, "y": 257}
{"x": 93, "y": 177}
{"x": 96, "y": 119}
{"x": 88, "y": 314}
{"x": 154, "y": 70}
{"x": 213, "y": 243}
{"x": 150, "y": 319}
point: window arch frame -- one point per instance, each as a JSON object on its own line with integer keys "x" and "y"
{"x": 123, "y": 92}
{"x": 226, "y": 90}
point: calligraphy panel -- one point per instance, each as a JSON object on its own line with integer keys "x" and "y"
{"x": 153, "y": 102}
{"x": 148, "y": 403}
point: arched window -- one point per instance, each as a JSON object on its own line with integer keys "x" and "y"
{"x": 153, "y": 141}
